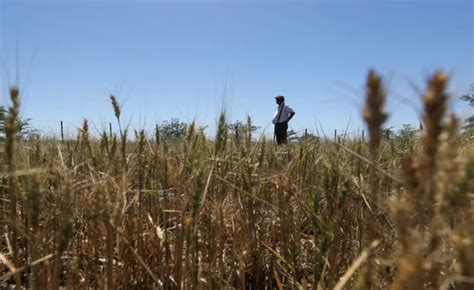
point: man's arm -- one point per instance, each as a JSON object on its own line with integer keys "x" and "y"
{"x": 291, "y": 116}
{"x": 290, "y": 113}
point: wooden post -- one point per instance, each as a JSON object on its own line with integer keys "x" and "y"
{"x": 363, "y": 135}
{"x": 62, "y": 132}
{"x": 110, "y": 130}
{"x": 335, "y": 135}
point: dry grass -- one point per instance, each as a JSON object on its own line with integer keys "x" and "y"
{"x": 201, "y": 214}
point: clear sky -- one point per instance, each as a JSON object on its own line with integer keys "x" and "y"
{"x": 188, "y": 59}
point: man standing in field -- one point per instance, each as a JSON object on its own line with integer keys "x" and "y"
{"x": 281, "y": 118}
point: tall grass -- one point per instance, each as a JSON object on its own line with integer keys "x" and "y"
{"x": 110, "y": 212}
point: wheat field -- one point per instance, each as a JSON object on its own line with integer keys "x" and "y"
{"x": 129, "y": 210}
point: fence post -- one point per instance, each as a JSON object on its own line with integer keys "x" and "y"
{"x": 110, "y": 130}
{"x": 62, "y": 132}
{"x": 363, "y": 135}
{"x": 335, "y": 135}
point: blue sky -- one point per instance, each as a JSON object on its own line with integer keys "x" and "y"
{"x": 188, "y": 59}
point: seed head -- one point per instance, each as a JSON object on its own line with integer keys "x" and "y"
{"x": 116, "y": 106}
{"x": 374, "y": 114}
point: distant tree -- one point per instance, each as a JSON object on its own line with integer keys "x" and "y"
{"x": 173, "y": 129}
{"x": 23, "y": 125}
{"x": 405, "y": 138}
{"x": 407, "y": 132}
{"x": 308, "y": 137}
{"x": 469, "y": 122}
{"x": 239, "y": 128}
{"x": 388, "y": 133}
{"x": 469, "y": 97}
{"x": 469, "y": 125}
